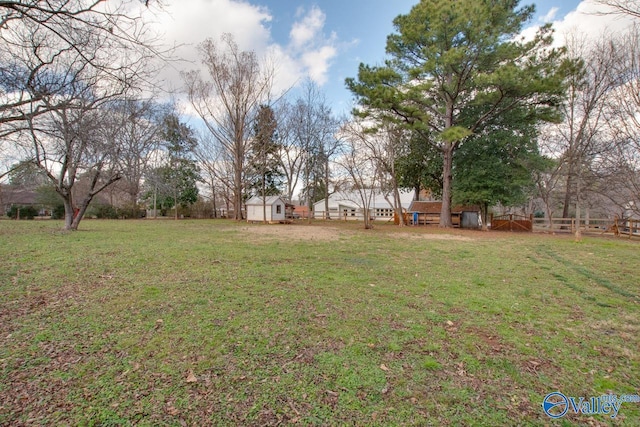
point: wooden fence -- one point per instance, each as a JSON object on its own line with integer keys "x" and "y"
{"x": 616, "y": 226}
{"x": 628, "y": 227}
{"x": 512, "y": 222}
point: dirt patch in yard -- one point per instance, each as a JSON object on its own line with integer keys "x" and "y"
{"x": 433, "y": 236}
{"x": 296, "y": 232}
{"x": 323, "y": 232}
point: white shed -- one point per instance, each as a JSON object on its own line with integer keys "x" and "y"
{"x": 275, "y": 209}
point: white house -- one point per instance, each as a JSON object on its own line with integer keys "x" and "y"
{"x": 348, "y": 205}
{"x": 275, "y": 209}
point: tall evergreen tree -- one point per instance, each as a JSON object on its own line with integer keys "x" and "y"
{"x": 420, "y": 167}
{"x": 499, "y": 164}
{"x": 456, "y": 65}
{"x": 175, "y": 183}
{"x": 265, "y": 173}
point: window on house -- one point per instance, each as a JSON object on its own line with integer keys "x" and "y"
{"x": 278, "y": 209}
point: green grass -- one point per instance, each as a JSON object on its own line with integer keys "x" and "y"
{"x": 223, "y": 323}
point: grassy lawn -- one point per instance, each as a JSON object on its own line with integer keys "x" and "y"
{"x": 221, "y": 323}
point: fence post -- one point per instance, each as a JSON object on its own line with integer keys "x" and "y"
{"x": 573, "y": 224}
{"x": 510, "y": 222}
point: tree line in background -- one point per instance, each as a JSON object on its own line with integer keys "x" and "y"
{"x": 463, "y": 107}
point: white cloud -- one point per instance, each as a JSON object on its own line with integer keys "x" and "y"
{"x": 308, "y": 29}
{"x": 192, "y": 21}
{"x": 589, "y": 20}
{"x": 187, "y": 23}
{"x": 289, "y": 70}
{"x": 309, "y": 51}
{"x": 309, "y": 44}
{"x": 317, "y": 63}
{"x": 550, "y": 16}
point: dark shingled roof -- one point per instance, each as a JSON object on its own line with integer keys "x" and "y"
{"x": 16, "y": 196}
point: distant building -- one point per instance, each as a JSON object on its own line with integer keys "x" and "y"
{"x": 347, "y": 205}
{"x": 15, "y": 196}
{"x": 276, "y": 209}
{"x": 425, "y": 213}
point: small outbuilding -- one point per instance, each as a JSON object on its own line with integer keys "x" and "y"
{"x": 273, "y": 209}
{"x": 428, "y": 212}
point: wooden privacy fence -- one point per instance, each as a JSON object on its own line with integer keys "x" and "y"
{"x": 512, "y": 222}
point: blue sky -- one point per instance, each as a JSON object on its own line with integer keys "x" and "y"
{"x": 324, "y": 40}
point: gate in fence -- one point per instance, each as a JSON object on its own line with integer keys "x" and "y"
{"x": 512, "y": 222}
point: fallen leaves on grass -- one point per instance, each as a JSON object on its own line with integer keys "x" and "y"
{"x": 191, "y": 378}
{"x": 172, "y": 410}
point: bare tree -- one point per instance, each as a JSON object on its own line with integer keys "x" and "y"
{"x": 217, "y": 166}
{"x": 62, "y": 64}
{"x": 227, "y": 101}
{"x": 315, "y": 131}
{"x": 40, "y": 38}
{"x": 360, "y": 165}
{"x": 623, "y": 165}
{"x": 624, "y": 117}
{"x": 581, "y": 139}
{"x": 74, "y": 142}
{"x": 548, "y": 182}
{"x": 383, "y": 143}
{"x": 386, "y": 148}
{"x": 137, "y": 125}
{"x": 291, "y": 153}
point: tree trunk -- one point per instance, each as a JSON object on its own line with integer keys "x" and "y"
{"x": 484, "y": 212}
{"x": 237, "y": 197}
{"x": 578, "y": 234}
{"x": 155, "y": 202}
{"x": 264, "y": 198}
{"x": 175, "y": 203}
{"x": 568, "y": 191}
{"x": 367, "y": 219}
{"x": 326, "y": 189}
{"x": 548, "y": 212}
{"x": 445, "y": 213}
{"x": 81, "y": 211}
{"x": 213, "y": 199}
{"x": 309, "y": 202}
{"x": 398, "y": 204}
{"x": 67, "y": 201}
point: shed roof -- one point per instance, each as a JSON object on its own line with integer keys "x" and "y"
{"x": 257, "y": 200}
{"x": 353, "y": 200}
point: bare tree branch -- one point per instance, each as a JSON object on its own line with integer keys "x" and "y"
{"x": 227, "y": 100}
{"x": 621, "y": 7}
